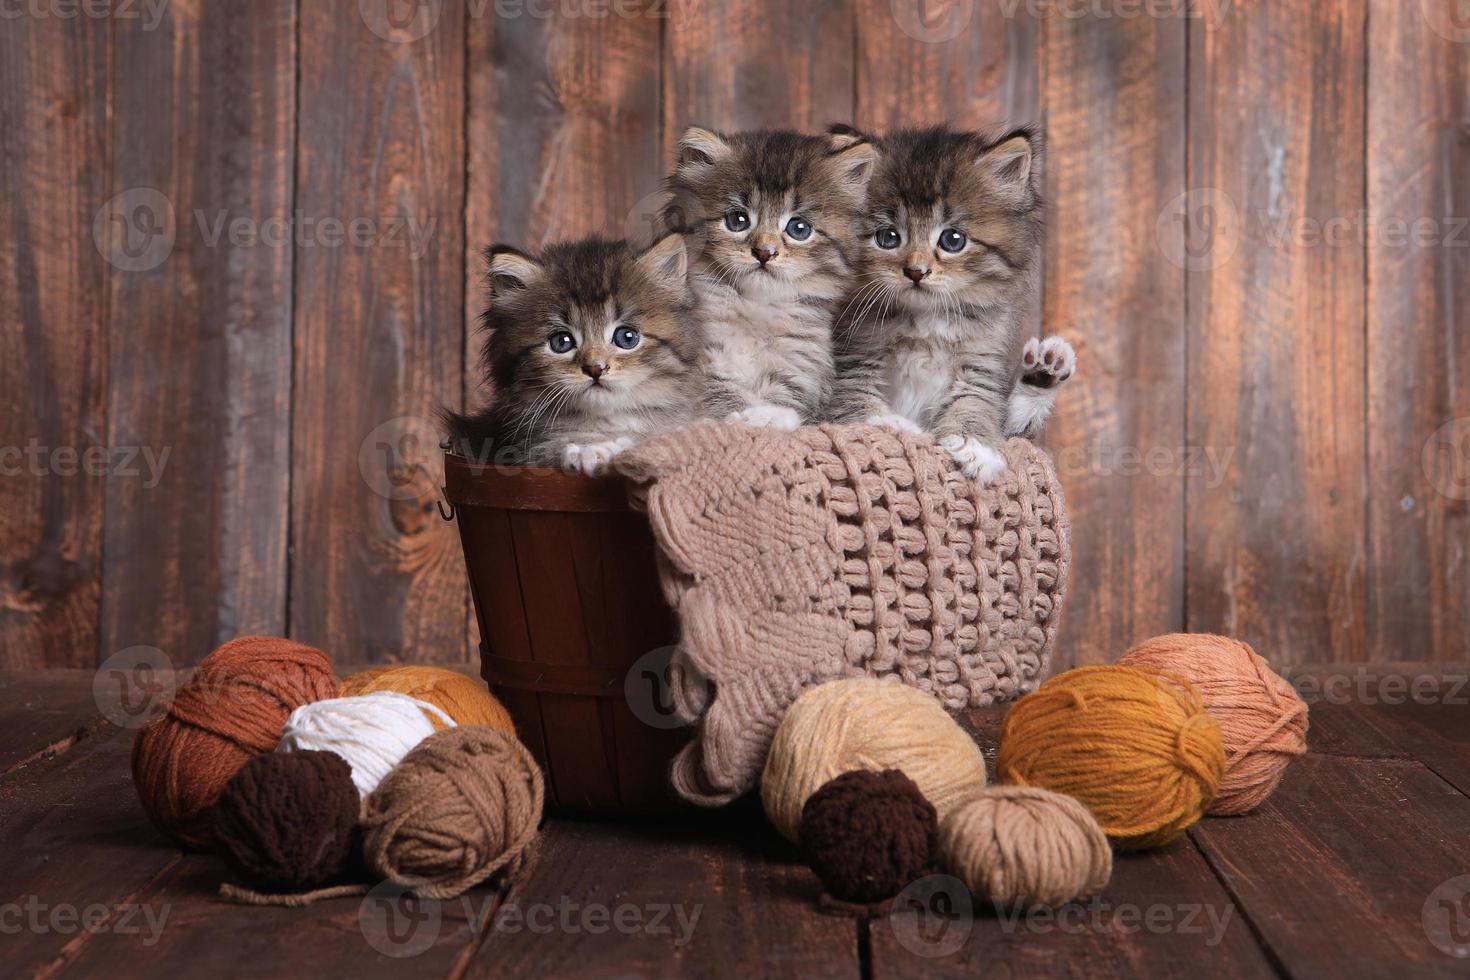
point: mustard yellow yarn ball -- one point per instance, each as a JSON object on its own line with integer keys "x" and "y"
{"x": 867, "y": 724}
{"x": 1135, "y": 746}
{"x": 463, "y": 698}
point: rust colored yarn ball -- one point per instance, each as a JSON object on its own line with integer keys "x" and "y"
{"x": 231, "y": 710}
{"x": 285, "y": 822}
{"x": 1263, "y": 721}
{"x": 463, "y": 698}
{"x": 868, "y": 835}
{"x": 460, "y": 807}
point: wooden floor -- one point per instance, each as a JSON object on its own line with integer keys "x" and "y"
{"x": 1348, "y": 870}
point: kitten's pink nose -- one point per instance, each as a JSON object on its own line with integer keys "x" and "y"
{"x": 764, "y": 253}
{"x": 594, "y": 369}
{"x": 916, "y": 273}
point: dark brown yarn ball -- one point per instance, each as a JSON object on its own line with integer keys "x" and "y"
{"x": 286, "y": 822}
{"x": 868, "y": 835}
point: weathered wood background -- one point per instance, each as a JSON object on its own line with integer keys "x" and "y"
{"x": 242, "y": 233}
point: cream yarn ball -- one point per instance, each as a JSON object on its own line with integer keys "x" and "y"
{"x": 372, "y": 732}
{"x": 870, "y": 724}
{"x": 1025, "y": 845}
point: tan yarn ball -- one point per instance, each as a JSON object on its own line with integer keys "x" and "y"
{"x": 463, "y": 805}
{"x": 1023, "y": 845}
{"x": 1263, "y": 721}
{"x": 868, "y": 724}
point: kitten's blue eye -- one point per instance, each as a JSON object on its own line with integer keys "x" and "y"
{"x": 561, "y": 342}
{"x": 886, "y": 238}
{"x": 951, "y": 240}
{"x": 798, "y": 229}
{"x": 737, "y": 220}
{"x": 626, "y": 337}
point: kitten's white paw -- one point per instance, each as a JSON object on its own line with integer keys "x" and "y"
{"x": 977, "y": 460}
{"x": 898, "y": 423}
{"x": 594, "y": 457}
{"x": 769, "y": 417}
{"x": 1047, "y": 362}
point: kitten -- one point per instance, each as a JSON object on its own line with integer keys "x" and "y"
{"x": 930, "y": 339}
{"x": 590, "y": 349}
{"x": 767, "y": 215}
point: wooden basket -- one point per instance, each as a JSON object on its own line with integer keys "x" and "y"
{"x": 566, "y": 592}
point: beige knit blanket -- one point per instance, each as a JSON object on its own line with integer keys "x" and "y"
{"x": 835, "y": 551}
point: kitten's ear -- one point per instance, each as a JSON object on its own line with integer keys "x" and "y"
{"x": 852, "y": 157}
{"x": 510, "y": 270}
{"x": 666, "y": 261}
{"x": 1014, "y": 163}
{"x": 699, "y": 148}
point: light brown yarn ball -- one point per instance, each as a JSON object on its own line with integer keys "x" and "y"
{"x": 1263, "y": 721}
{"x": 464, "y": 804}
{"x": 1023, "y": 845}
{"x": 869, "y": 724}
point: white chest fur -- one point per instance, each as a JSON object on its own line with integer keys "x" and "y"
{"x": 921, "y": 368}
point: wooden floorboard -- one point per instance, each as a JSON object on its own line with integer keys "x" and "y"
{"x": 1332, "y": 875}
{"x": 1335, "y": 869}
{"x": 717, "y": 894}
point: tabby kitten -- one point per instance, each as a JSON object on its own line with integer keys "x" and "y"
{"x": 767, "y": 215}
{"x": 590, "y": 348}
{"x": 930, "y": 339}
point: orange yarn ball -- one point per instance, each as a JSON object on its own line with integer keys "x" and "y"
{"x": 1263, "y": 721}
{"x": 232, "y": 709}
{"x": 462, "y": 698}
{"x": 1135, "y": 746}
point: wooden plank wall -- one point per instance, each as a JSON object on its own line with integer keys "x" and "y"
{"x": 1257, "y": 244}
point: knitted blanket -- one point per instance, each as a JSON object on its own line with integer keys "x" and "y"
{"x": 794, "y": 558}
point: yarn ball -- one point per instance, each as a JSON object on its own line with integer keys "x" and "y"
{"x": 1135, "y": 746}
{"x": 1025, "y": 846}
{"x": 871, "y": 724}
{"x": 1262, "y": 719}
{"x": 456, "y": 810}
{"x": 231, "y": 710}
{"x": 465, "y": 699}
{"x": 867, "y": 835}
{"x": 371, "y": 731}
{"x": 285, "y": 822}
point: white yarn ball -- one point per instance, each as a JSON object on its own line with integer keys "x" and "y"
{"x": 372, "y": 732}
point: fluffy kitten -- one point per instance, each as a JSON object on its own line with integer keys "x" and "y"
{"x": 590, "y": 349}
{"x": 768, "y": 216}
{"x": 930, "y": 339}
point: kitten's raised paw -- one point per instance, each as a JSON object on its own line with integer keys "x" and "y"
{"x": 977, "y": 460}
{"x": 898, "y": 423}
{"x": 593, "y": 458}
{"x": 1048, "y": 362}
{"x": 769, "y": 417}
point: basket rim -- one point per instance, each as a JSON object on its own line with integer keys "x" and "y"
{"x": 544, "y": 488}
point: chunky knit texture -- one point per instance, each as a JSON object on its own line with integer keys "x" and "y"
{"x": 839, "y": 551}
